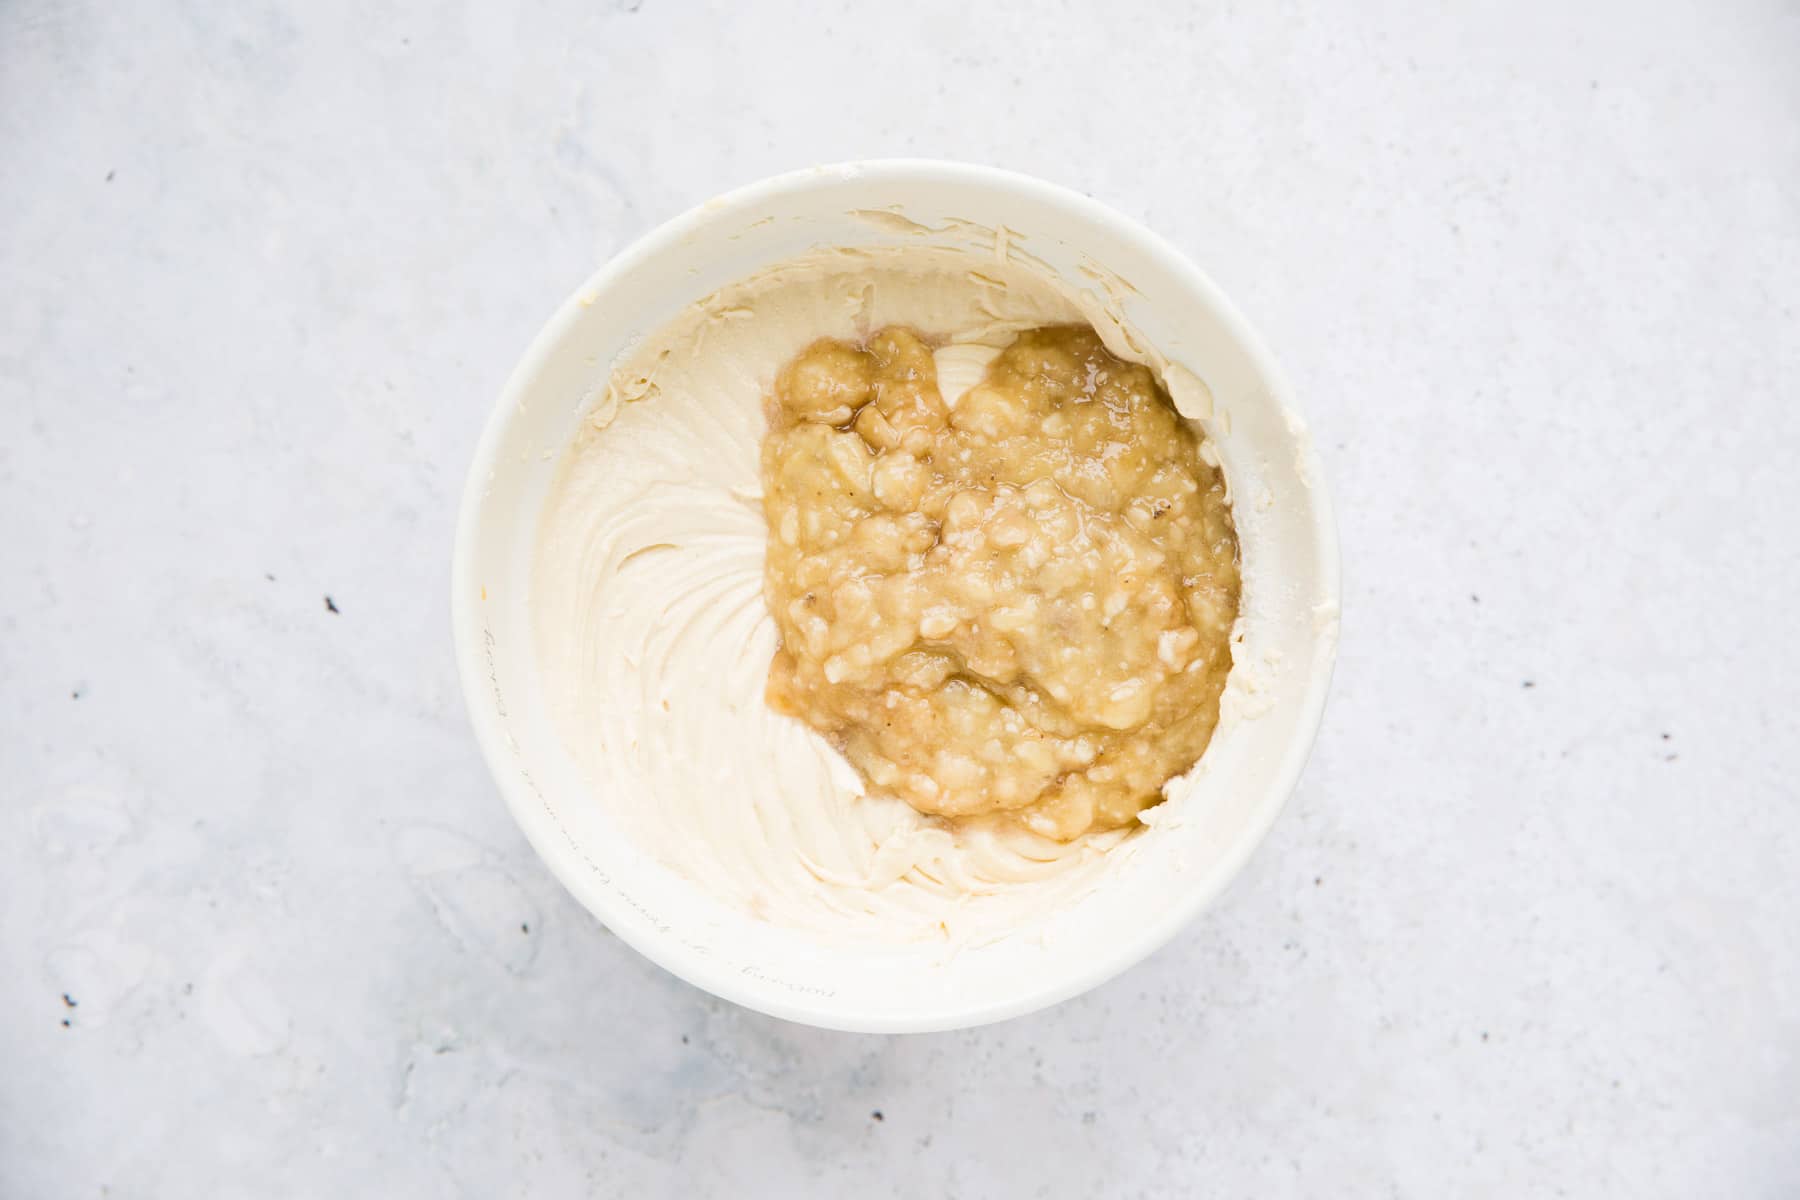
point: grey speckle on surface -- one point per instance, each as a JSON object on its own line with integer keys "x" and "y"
{"x": 1534, "y": 271}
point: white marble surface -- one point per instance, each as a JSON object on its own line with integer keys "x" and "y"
{"x": 1531, "y": 925}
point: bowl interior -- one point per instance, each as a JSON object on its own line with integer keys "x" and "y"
{"x": 1272, "y": 705}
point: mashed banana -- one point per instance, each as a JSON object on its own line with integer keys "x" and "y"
{"x": 1021, "y": 603}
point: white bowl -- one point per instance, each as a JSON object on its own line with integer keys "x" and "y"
{"x": 1204, "y": 832}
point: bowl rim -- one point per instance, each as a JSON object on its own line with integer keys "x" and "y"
{"x": 1135, "y": 945}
